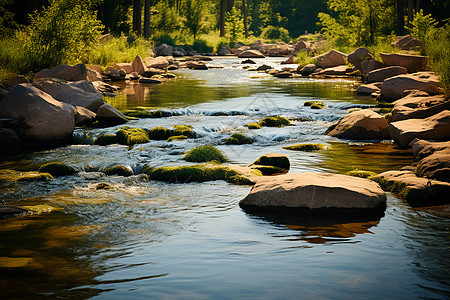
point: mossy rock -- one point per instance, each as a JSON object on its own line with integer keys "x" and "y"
{"x": 104, "y": 186}
{"x": 361, "y": 173}
{"x": 238, "y": 139}
{"x": 40, "y": 209}
{"x": 273, "y": 159}
{"x": 57, "y": 169}
{"x": 318, "y": 105}
{"x": 119, "y": 170}
{"x": 185, "y": 130}
{"x": 205, "y": 154}
{"x": 253, "y": 126}
{"x": 131, "y": 136}
{"x": 160, "y": 133}
{"x": 306, "y": 147}
{"x": 381, "y": 104}
{"x": 106, "y": 139}
{"x": 177, "y": 138}
{"x": 141, "y": 112}
{"x": 199, "y": 173}
{"x": 309, "y": 103}
{"x": 276, "y": 121}
{"x": 268, "y": 170}
{"x": 13, "y": 176}
{"x": 147, "y": 169}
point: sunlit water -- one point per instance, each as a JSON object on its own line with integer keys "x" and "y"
{"x": 155, "y": 240}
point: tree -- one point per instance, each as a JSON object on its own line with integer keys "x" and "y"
{"x": 225, "y": 6}
{"x": 194, "y": 13}
{"x": 244, "y": 12}
{"x": 234, "y": 24}
{"x": 137, "y": 15}
{"x": 148, "y": 4}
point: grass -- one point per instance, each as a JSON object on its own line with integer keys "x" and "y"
{"x": 437, "y": 47}
{"x": 131, "y": 136}
{"x": 57, "y": 169}
{"x": 306, "y": 147}
{"x": 205, "y": 154}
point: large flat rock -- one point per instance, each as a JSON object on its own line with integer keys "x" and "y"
{"x": 412, "y": 63}
{"x": 412, "y": 107}
{"x": 314, "y": 192}
{"x": 394, "y": 87}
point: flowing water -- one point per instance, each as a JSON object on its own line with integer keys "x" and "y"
{"x": 155, "y": 240}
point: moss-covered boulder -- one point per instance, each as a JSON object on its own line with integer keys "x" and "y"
{"x": 309, "y": 103}
{"x": 57, "y": 169}
{"x": 13, "y": 176}
{"x": 205, "y": 154}
{"x": 274, "y": 159}
{"x": 306, "y": 147}
{"x": 268, "y": 170}
{"x": 120, "y": 170}
{"x": 106, "y": 139}
{"x": 253, "y": 126}
{"x": 104, "y": 186}
{"x": 159, "y": 133}
{"x": 199, "y": 173}
{"x": 238, "y": 139}
{"x": 318, "y": 105}
{"x": 131, "y": 136}
{"x": 183, "y": 130}
{"x": 142, "y": 112}
{"x": 276, "y": 121}
{"x": 361, "y": 173}
{"x": 177, "y": 138}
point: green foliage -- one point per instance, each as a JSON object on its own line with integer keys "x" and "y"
{"x": 106, "y": 139}
{"x": 13, "y": 176}
{"x": 306, "y": 147}
{"x": 421, "y": 25}
{"x": 194, "y": 16}
{"x": 238, "y": 139}
{"x": 61, "y": 33}
{"x": 7, "y": 24}
{"x": 303, "y": 59}
{"x": 57, "y": 169}
{"x": 131, "y": 136}
{"x": 273, "y": 33}
{"x": 168, "y": 19}
{"x": 437, "y": 47}
{"x": 119, "y": 170}
{"x": 253, "y": 126}
{"x": 164, "y": 39}
{"x": 276, "y": 121}
{"x": 205, "y": 154}
{"x": 234, "y": 25}
{"x": 201, "y": 46}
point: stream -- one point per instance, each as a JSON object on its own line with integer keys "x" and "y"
{"x": 154, "y": 240}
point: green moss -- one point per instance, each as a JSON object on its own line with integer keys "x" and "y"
{"x": 147, "y": 169}
{"x": 309, "y": 103}
{"x": 119, "y": 170}
{"x": 238, "y": 139}
{"x": 143, "y": 112}
{"x": 317, "y": 105}
{"x": 276, "y": 121}
{"x": 13, "y": 176}
{"x": 205, "y": 154}
{"x": 131, "y": 136}
{"x": 106, "y": 139}
{"x": 306, "y": 147}
{"x": 104, "y": 186}
{"x": 253, "y": 126}
{"x": 361, "y": 173}
{"x": 159, "y": 133}
{"x": 185, "y": 130}
{"x": 177, "y": 138}
{"x": 57, "y": 169}
{"x": 275, "y": 160}
{"x": 381, "y": 104}
{"x": 268, "y": 170}
{"x": 199, "y": 173}
{"x": 384, "y": 110}
{"x": 39, "y": 209}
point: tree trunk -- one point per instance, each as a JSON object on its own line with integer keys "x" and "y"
{"x": 223, "y": 5}
{"x": 400, "y": 17}
{"x": 244, "y": 11}
{"x": 148, "y": 4}
{"x": 410, "y": 11}
{"x": 417, "y": 5}
{"x": 137, "y": 17}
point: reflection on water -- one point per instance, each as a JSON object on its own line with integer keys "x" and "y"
{"x": 192, "y": 241}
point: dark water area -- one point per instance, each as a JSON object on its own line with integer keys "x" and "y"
{"x": 153, "y": 240}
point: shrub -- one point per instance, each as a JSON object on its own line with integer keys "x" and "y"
{"x": 57, "y": 169}
{"x": 201, "y": 46}
{"x": 437, "y": 47}
{"x": 273, "y": 33}
{"x": 131, "y": 136}
{"x": 276, "y": 121}
{"x": 305, "y": 147}
{"x": 205, "y": 154}
{"x": 421, "y": 25}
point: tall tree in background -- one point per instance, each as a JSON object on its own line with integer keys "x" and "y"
{"x": 148, "y": 4}
{"x": 244, "y": 12}
{"x": 194, "y": 14}
{"x": 225, "y": 6}
{"x": 137, "y": 17}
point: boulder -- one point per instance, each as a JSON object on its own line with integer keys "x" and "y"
{"x": 263, "y": 68}
{"x": 435, "y": 166}
{"x": 358, "y": 56}
{"x": 43, "y": 118}
{"x": 224, "y": 50}
{"x": 363, "y": 124}
{"x": 337, "y": 71}
{"x": 105, "y": 88}
{"x": 127, "y": 67}
{"x": 93, "y": 75}
{"x": 308, "y": 69}
{"x": 380, "y": 75}
{"x": 70, "y": 94}
{"x": 9, "y": 83}
{"x": 288, "y": 61}
{"x": 153, "y": 71}
{"x": 424, "y": 148}
{"x": 85, "y": 85}
{"x": 275, "y": 160}
{"x": 331, "y": 59}
{"x": 283, "y": 74}
{"x": 164, "y": 50}
{"x": 315, "y": 193}
{"x": 394, "y": 87}
{"x": 417, "y": 191}
{"x": 370, "y": 65}
{"x": 300, "y": 45}
{"x": 149, "y": 80}
{"x": 411, "y": 107}
{"x": 157, "y": 62}
{"x": 407, "y": 42}
{"x": 84, "y": 116}
{"x": 436, "y": 127}
{"x": 248, "y": 61}
{"x": 9, "y": 140}
{"x": 367, "y": 89}
{"x": 65, "y": 72}
{"x": 109, "y": 115}
{"x": 412, "y": 63}
{"x": 138, "y": 65}
{"x": 251, "y": 54}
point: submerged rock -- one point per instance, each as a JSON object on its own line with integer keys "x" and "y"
{"x": 120, "y": 170}
{"x": 14, "y": 176}
{"x": 275, "y": 160}
{"x": 238, "y": 139}
{"x": 315, "y": 193}
{"x": 7, "y": 211}
{"x": 306, "y": 147}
